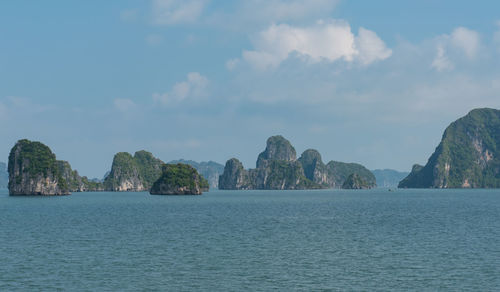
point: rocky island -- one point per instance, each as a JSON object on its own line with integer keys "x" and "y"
{"x": 209, "y": 170}
{"x": 467, "y": 157}
{"x": 179, "y": 179}
{"x": 278, "y": 168}
{"x": 133, "y": 173}
{"x": 34, "y": 170}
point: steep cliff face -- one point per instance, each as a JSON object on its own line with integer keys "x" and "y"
{"x": 209, "y": 170}
{"x": 281, "y": 175}
{"x": 33, "y": 170}
{"x": 314, "y": 168}
{"x": 277, "y": 148}
{"x": 340, "y": 171}
{"x": 467, "y": 157}
{"x": 133, "y": 173}
{"x": 179, "y": 179}
{"x": 234, "y": 177}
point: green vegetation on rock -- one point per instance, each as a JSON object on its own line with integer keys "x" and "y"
{"x": 209, "y": 170}
{"x": 179, "y": 179}
{"x": 34, "y": 170}
{"x": 340, "y": 171}
{"x": 467, "y": 157}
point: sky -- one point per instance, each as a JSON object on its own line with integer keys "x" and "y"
{"x": 372, "y": 82}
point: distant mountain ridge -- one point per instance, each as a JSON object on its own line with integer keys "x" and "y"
{"x": 467, "y": 157}
{"x": 388, "y": 178}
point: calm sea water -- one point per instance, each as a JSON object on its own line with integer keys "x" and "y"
{"x": 253, "y": 240}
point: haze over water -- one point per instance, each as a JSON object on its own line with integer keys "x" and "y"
{"x": 255, "y": 240}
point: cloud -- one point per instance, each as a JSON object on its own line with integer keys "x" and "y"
{"x": 124, "y": 105}
{"x": 370, "y": 47}
{"x": 467, "y": 40}
{"x": 169, "y": 12}
{"x": 330, "y": 40}
{"x": 194, "y": 87}
{"x": 462, "y": 42}
{"x": 441, "y": 62}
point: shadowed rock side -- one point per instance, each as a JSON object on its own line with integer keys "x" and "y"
{"x": 234, "y": 177}
{"x": 33, "y": 170}
{"x": 315, "y": 170}
{"x": 355, "y": 182}
{"x": 467, "y": 157}
{"x": 133, "y": 173}
{"x": 179, "y": 179}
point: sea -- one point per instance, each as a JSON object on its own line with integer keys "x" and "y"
{"x": 318, "y": 240}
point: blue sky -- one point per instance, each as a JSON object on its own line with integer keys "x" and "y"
{"x": 373, "y": 82}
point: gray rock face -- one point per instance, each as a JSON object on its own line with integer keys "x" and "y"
{"x": 234, "y": 177}
{"x": 33, "y": 170}
{"x": 314, "y": 168}
{"x": 277, "y": 148}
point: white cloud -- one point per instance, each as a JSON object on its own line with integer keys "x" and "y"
{"x": 461, "y": 42}
{"x": 124, "y": 105}
{"x": 193, "y": 88}
{"x": 168, "y": 12}
{"x": 441, "y": 62}
{"x": 371, "y": 48}
{"x": 467, "y": 40}
{"x": 327, "y": 40}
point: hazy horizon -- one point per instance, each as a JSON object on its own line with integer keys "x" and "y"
{"x": 373, "y": 83}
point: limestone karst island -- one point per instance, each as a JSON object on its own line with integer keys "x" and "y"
{"x": 467, "y": 157}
